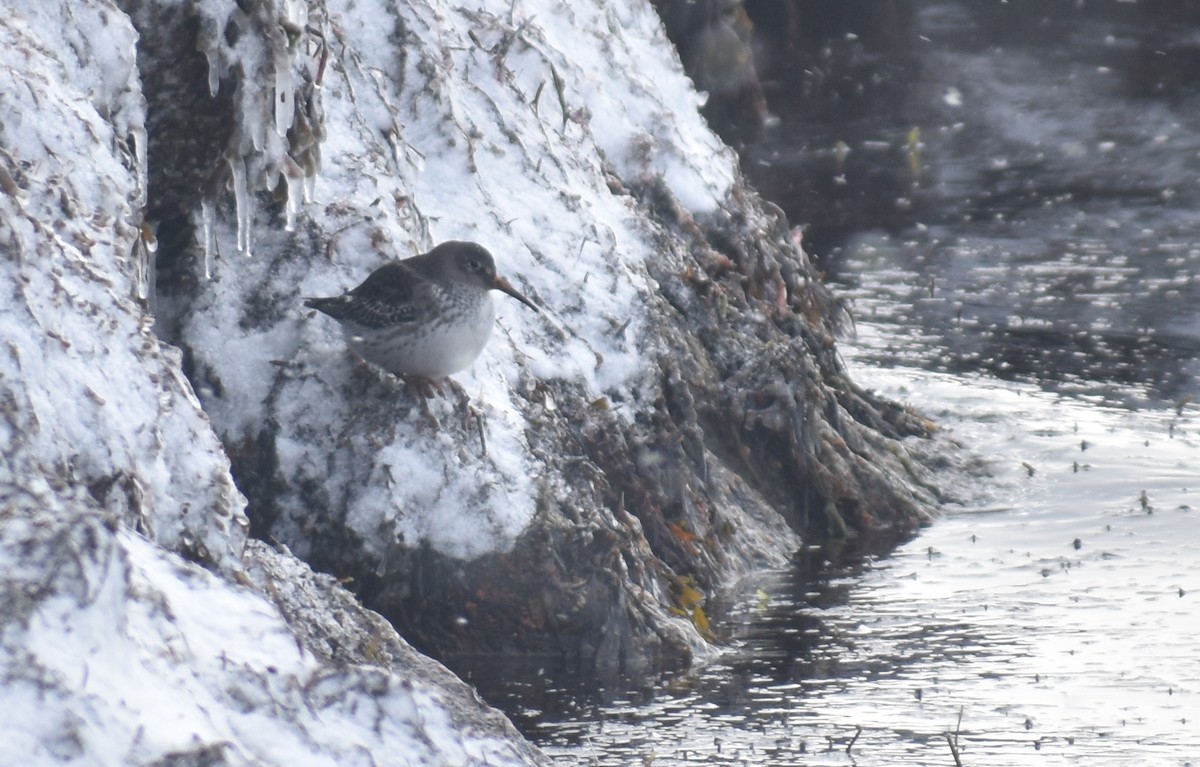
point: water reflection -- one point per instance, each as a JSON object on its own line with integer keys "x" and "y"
{"x": 1114, "y": 317}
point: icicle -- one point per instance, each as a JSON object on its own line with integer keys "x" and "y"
{"x": 144, "y": 252}
{"x": 297, "y": 12}
{"x": 285, "y": 109}
{"x": 254, "y": 119}
{"x": 241, "y": 196}
{"x": 295, "y": 185}
{"x": 214, "y": 71}
{"x": 207, "y": 219}
{"x": 310, "y": 187}
{"x": 140, "y": 142}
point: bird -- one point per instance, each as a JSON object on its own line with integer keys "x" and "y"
{"x": 425, "y": 317}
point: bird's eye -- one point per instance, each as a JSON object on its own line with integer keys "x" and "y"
{"x": 475, "y": 265}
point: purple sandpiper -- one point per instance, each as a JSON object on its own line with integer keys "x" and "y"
{"x": 425, "y": 317}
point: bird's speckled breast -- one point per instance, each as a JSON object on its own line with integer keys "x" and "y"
{"x": 439, "y": 347}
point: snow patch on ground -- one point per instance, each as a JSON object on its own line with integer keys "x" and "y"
{"x": 114, "y": 650}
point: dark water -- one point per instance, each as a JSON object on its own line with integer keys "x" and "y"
{"x": 1037, "y": 294}
{"x": 1057, "y": 239}
{"x": 1034, "y": 196}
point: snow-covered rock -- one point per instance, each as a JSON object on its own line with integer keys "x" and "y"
{"x": 117, "y": 652}
{"x": 96, "y": 407}
{"x": 114, "y": 648}
{"x": 670, "y": 421}
{"x": 665, "y": 418}
{"x": 497, "y": 123}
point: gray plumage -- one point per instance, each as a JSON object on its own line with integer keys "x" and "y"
{"x": 429, "y": 315}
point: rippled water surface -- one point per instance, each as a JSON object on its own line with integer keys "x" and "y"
{"x": 1057, "y": 235}
{"x": 1051, "y": 619}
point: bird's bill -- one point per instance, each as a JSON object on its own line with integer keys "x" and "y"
{"x": 504, "y": 285}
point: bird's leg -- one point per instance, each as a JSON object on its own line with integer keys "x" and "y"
{"x": 456, "y": 388}
{"x": 464, "y": 404}
{"x": 423, "y": 388}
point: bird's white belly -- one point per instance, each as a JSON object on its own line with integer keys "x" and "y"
{"x": 433, "y": 350}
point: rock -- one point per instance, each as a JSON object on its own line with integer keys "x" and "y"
{"x": 677, "y": 413}
{"x": 136, "y": 625}
{"x": 676, "y": 417}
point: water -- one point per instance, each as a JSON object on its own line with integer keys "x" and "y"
{"x": 1041, "y": 303}
{"x": 1054, "y": 612}
{"x": 1114, "y": 318}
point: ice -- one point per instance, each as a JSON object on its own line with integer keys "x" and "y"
{"x": 285, "y": 109}
{"x": 244, "y": 203}
{"x": 208, "y": 216}
{"x": 214, "y": 72}
{"x": 295, "y": 196}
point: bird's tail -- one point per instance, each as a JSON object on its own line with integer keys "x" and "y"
{"x": 334, "y": 307}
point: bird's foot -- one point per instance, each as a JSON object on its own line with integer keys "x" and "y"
{"x": 423, "y": 388}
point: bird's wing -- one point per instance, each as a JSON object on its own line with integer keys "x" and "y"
{"x": 393, "y": 294}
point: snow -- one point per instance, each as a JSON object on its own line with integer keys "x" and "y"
{"x": 149, "y": 655}
{"x": 498, "y": 122}
{"x": 113, "y": 648}
{"x": 97, "y": 402}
